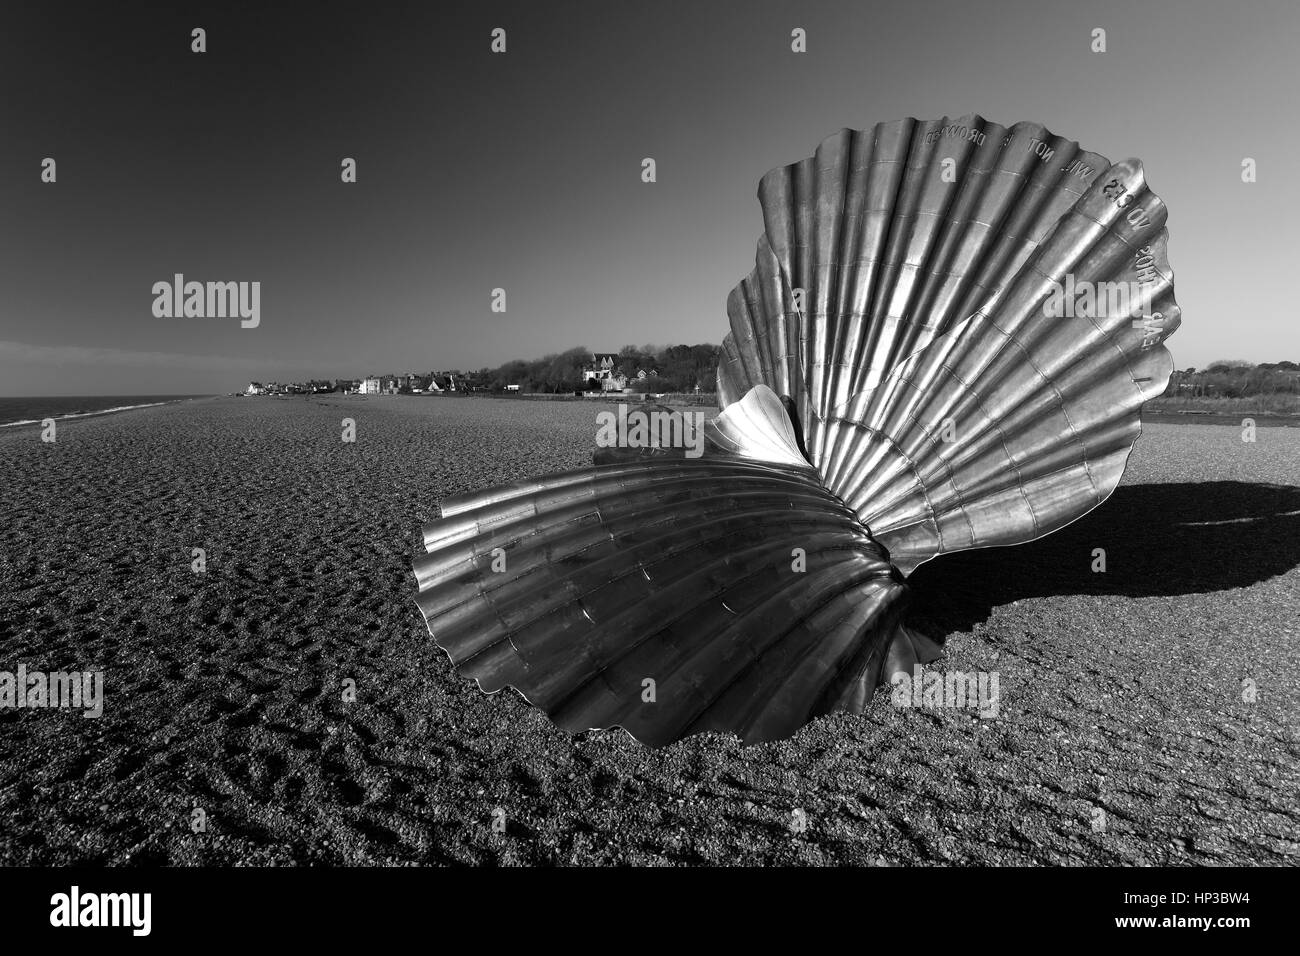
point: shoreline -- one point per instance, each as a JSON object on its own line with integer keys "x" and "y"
{"x": 1150, "y": 416}
{"x": 25, "y": 422}
{"x": 1261, "y": 419}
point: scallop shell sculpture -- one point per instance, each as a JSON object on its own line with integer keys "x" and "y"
{"x": 945, "y": 343}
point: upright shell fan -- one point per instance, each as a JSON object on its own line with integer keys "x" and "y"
{"x": 945, "y": 343}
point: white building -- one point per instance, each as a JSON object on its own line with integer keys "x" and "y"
{"x": 604, "y": 369}
{"x": 369, "y": 385}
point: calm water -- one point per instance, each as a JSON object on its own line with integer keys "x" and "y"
{"x": 16, "y": 411}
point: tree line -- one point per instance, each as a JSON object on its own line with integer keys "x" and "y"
{"x": 1236, "y": 379}
{"x": 680, "y": 368}
{"x": 672, "y": 368}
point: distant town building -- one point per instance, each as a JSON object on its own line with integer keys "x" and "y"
{"x": 604, "y": 369}
{"x": 370, "y": 385}
{"x": 256, "y": 388}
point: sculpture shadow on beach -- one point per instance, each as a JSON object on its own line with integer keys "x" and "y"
{"x": 1160, "y": 540}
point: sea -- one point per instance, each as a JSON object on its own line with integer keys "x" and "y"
{"x": 33, "y": 411}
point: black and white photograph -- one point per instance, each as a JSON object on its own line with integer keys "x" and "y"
{"x": 595, "y": 438}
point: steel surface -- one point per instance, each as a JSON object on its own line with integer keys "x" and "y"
{"x": 920, "y": 362}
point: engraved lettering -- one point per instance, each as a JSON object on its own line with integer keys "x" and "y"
{"x": 1150, "y": 329}
{"x": 1145, "y": 265}
{"x": 956, "y": 132}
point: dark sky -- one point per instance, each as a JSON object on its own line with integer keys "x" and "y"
{"x": 522, "y": 170}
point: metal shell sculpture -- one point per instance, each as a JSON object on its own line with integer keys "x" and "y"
{"x": 945, "y": 343}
